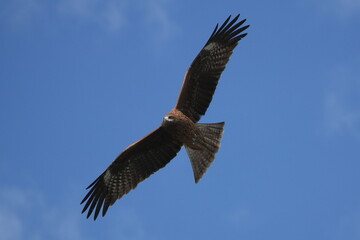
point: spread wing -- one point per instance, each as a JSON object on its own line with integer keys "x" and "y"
{"x": 134, "y": 165}
{"x": 203, "y": 75}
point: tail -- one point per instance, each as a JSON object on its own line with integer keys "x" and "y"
{"x": 202, "y": 159}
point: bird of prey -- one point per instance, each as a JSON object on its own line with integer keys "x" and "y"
{"x": 179, "y": 127}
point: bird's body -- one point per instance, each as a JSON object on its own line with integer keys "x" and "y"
{"x": 179, "y": 127}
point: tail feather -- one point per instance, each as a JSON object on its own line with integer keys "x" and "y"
{"x": 202, "y": 159}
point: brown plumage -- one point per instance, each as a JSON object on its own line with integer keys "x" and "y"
{"x": 179, "y": 127}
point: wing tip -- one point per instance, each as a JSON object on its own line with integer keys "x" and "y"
{"x": 228, "y": 28}
{"x": 95, "y": 205}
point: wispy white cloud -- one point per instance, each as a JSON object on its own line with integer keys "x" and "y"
{"x": 29, "y": 215}
{"x": 111, "y": 15}
{"x": 131, "y": 226}
{"x": 20, "y": 12}
{"x": 80, "y": 8}
{"x": 114, "y": 15}
{"x": 10, "y": 225}
{"x": 239, "y": 216}
{"x": 158, "y": 16}
{"x": 25, "y": 214}
{"x": 348, "y": 226}
{"x": 342, "y": 8}
{"x": 342, "y": 103}
{"x": 341, "y": 118}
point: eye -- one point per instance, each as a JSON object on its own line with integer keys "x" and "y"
{"x": 169, "y": 118}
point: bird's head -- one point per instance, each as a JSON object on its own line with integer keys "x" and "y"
{"x": 173, "y": 118}
{"x": 169, "y": 118}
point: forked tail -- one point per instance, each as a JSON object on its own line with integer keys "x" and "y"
{"x": 202, "y": 159}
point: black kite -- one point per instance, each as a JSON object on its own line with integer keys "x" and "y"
{"x": 179, "y": 127}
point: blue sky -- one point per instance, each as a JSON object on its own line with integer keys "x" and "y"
{"x": 80, "y": 80}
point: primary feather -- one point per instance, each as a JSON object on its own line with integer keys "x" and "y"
{"x": 204, "y": 73}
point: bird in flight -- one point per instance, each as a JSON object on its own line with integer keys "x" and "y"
{"x": 179, "y": 127}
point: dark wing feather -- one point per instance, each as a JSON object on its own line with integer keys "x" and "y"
{"x": 134, "y": 165}
{"x": 203, "y": 75}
